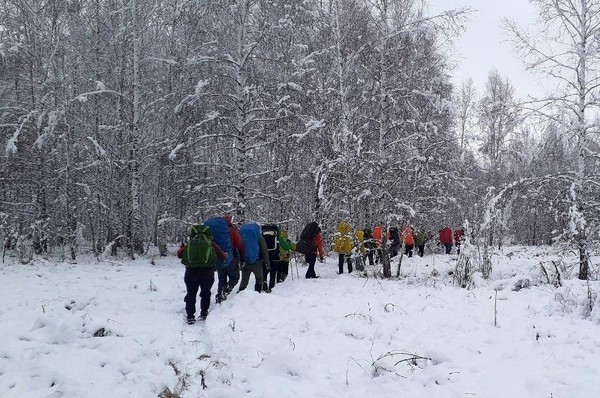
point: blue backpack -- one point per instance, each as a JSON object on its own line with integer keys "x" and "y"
{"x": 250, "y": 234}
{"x": 220, "y": 230}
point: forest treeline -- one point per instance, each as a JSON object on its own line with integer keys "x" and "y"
{"x": 123, "y": 121}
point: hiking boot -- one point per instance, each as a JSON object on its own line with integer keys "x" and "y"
{"x": 203, "y": 315}
{"x": 220, "y": 297}
{"x": 191, "y": 320}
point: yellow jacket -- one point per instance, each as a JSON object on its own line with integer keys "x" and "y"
{"x": 343, "y": 241}
{"x": 360, "y": 237}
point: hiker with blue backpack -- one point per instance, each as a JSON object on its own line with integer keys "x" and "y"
{"x": 256, "y": 252}
{"x": 221, "y": 235}
{"x": 230, "y": 274}
{"x": 200, "y": 256}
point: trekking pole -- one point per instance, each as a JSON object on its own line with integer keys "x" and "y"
{"x": 297, "y": 272}
{"x": 400, "y": 261}
{"x": 292, "y": 264}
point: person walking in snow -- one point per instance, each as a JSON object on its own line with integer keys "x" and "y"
{"x": 270, "y": 233}
{"x": 256, "y": 252}
{"x": 311, "y": 245}
{"x": 343, "y": 245}
{"x": 378, "y": 238}
{"x": 421, "y": 238}
{"x": 394, "y": 239}
{"x": 199, "y": 256}
{"x": 311, "y": 258}
{"x": 286, "y": 247}
{"x": 446, "y": 238}
{"x": 230, "y": 275}
{"x": 408, "y": 238}
{"x": 458, "y": 235}
{"x": 361, "y": 250}
{"x": 370, "y": 245}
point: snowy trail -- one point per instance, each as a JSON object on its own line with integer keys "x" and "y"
{"x": 339, "y": 335}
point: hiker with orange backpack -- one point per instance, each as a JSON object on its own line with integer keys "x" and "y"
{"x": 408, "y": 238}
{"x": 377, "y": 237}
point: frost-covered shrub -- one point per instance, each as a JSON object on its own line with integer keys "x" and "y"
{"x": 577, "y": 298}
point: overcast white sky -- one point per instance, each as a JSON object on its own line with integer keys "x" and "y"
{"x": 485, "y": 45}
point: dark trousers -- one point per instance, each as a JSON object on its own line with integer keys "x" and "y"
{"x": 341, "y": 258}
{"x": 228, "y": 277}
{"x": 311, "y": 259}
{"x": 198, "y": 278}
{"x": 408, "y": 249}
{"x": 272, "y": 273}
{"x": 394, "y": 249}
{"x": 257, "y": 270}
{"x": 282, "y": 270}
{"x": 378, "y": 255}
{"x": 370, "y": 256}
{"x": 448, "y": 247}
{"x": 421, "y": 249}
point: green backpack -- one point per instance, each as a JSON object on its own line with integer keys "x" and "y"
{"x": 199, "y": 252}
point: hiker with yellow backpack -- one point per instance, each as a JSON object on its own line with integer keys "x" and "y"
{"x": 343, "y": 244}
{"x": 361, "y": 250}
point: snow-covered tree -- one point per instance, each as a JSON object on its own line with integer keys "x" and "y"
{"x": 568, "y": 53}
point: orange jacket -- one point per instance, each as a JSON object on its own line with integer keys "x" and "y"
{"x": 408, "y": 236}
{"x": 377, "y": 234}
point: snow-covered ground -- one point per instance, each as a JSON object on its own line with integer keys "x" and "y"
{"x": 116, "y": 329}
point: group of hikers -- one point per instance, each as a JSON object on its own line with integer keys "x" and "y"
{"x": 368, "y": 243}
{"x": 265, "y": 251}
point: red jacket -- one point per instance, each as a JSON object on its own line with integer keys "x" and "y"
{"x": 236, "y": 238}
{"x": 458, "y": 234}
{"x": 319, "y": 245}
{"x": 446, "y": 236}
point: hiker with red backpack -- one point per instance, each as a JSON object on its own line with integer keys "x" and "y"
{"x": 446, "y": 238}
{"x": 311, "y": 245}
{"x": 458, "y": 235}
{"x": 199, "y": 256}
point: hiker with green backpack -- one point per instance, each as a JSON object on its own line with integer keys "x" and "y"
{"x": 199, "y": 256}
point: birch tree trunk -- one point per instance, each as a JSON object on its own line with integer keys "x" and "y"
{"x": 137, "y": 237}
